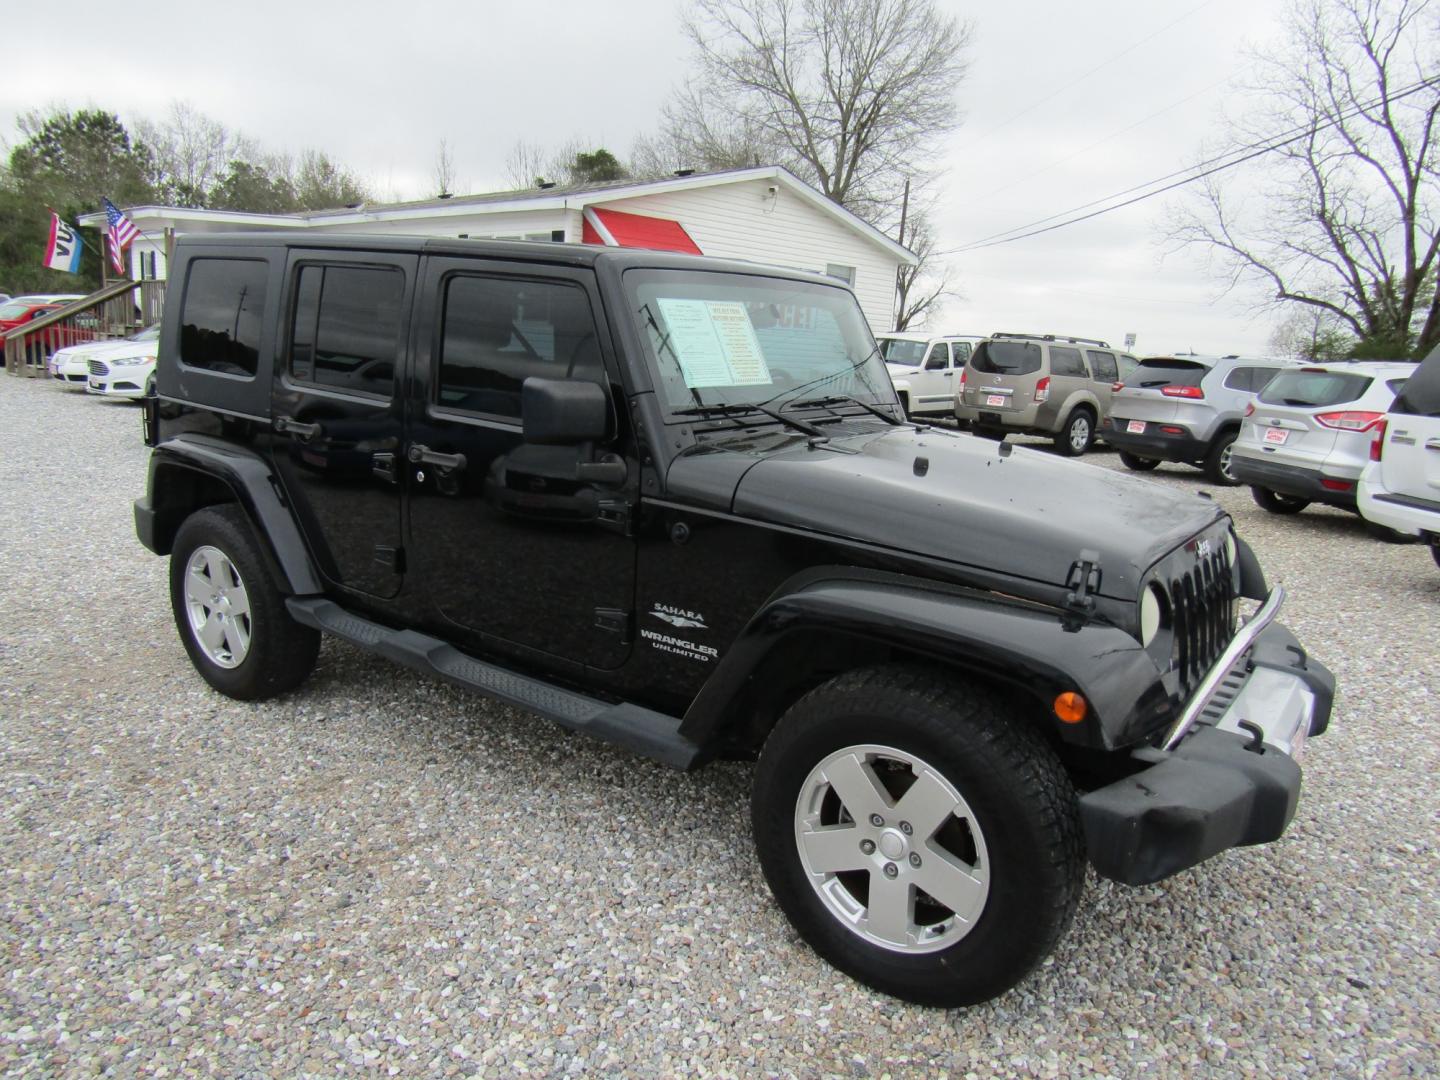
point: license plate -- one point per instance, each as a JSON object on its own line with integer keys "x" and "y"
{"x": 1276, "y": 435}
{"x": 994, "y": 399}
{"x": 1136, "y": 427}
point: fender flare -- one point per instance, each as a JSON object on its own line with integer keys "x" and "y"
{"x": 255, "y": 488}
{"x": 1027, "y": 646}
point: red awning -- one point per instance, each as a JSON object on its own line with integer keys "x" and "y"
{"x": 636, "y": 231}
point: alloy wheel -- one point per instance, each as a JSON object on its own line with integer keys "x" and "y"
{"x": 218, "y": 607}
{"x": 892, "y": 849}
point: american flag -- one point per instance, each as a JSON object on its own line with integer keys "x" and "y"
{"x": 122, "y": 231}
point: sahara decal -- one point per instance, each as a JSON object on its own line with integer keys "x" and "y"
{"x": 679, "y": 617}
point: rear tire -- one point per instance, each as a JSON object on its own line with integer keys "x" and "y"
{"x": 229, "y": 612}
{"x": 1138, "y": 464}
{"x": 1078, "y": 434}
{"x": 1217, "y": 460}
{"x": 919, "y": 834}
{"x": 1278, "y": 503}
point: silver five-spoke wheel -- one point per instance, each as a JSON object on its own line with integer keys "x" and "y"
{"x": 218, "y": 606}
{"x": 1080, "y": 434}
{"x": 891, "y": 848}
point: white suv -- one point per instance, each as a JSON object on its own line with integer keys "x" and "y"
{"x": 925, "y": 368}
{"x": 1400, "y": 488}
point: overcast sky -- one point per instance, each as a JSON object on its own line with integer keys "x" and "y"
{"x": 1064, "y": 104}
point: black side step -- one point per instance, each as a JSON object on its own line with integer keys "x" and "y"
{"x": 639, "y": 729}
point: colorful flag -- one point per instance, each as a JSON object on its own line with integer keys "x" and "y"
{"x": 122, "y": 232}
{"x": 63, "y": 251}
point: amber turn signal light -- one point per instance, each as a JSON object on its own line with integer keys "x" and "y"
{"x": 1070, "y": 707}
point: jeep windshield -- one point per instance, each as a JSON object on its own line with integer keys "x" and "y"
{"x": 730, "y": 343}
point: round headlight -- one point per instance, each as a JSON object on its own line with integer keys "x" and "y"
{"x": 1152, "y": 604}
{"x": 1232, "y": 547}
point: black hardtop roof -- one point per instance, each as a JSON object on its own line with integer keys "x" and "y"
{"x": 556, "y": 254}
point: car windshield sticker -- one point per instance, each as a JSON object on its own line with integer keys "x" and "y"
{"x": 715, "y": 343}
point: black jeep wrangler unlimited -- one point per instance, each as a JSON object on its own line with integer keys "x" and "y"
{"x": 674, "y": 503}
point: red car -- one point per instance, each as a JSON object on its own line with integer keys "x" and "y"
{"x": 22, "y": 310}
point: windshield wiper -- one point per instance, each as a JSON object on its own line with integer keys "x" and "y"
{"x": 741, "y": 410}
{"x": 840, "y": 399}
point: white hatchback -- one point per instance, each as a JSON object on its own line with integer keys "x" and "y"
{"x": 1400, "y": 487}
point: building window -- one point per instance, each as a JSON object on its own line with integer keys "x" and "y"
{"x": 844, "y": 273}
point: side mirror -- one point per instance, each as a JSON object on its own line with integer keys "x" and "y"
{"x": 563, "y": 412}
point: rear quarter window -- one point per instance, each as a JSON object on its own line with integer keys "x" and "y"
{"x": 1315, "y": 389}
{"x": 221, "y": 321}
{"x": 1006, "y": 358}
{"x": 1421, "y": 395}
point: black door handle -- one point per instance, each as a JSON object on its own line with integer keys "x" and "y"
{"x": 290, "y": 425}
{"x": 423, "y": 455}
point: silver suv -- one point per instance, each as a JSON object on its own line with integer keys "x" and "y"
{"x": 1307, "y": 437}
{"x": 1400, "y": 487}
{"x": 1043, "y": 384}
{"x": 1186, "y": 409}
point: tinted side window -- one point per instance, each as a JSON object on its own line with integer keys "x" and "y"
{"x": 498, "y": 332}
{"x": 1066, "y": 362}
{"x": 346, "y": 332}
{"x": 1421, "y": 396}
{"x": 1103, "y": 365}
{"x": 938, "y": 358}
{"x": 220, "y": 322}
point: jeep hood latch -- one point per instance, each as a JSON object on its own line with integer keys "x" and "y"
{"x": 1083, "y": 580}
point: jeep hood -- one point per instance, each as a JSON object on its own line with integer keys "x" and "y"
{"x": 952, "y": 497}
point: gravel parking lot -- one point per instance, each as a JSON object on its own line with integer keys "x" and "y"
{"x": 380, "y": 872}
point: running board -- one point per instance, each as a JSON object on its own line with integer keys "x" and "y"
{"x": 642, "y": 730}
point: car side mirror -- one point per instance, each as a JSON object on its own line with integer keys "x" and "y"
{"x": 563, "y": 412}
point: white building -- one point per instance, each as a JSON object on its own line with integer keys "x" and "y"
{"x": 763, "y": 214}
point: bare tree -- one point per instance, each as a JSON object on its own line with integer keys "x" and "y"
{"x": 697, "y": 132}
{"x": 852, "y": 95}
{"x": 192, "y": 153}
{"x": 920, "y": 287}
{"x": 1342, "y": 217}
{"x": 1311, "y": 333}
{"x": 444, "y": 171}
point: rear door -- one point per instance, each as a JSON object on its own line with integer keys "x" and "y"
{"x": 337, "y": 410}
{"x": 1289, "y": 424}
{"x": 1068, "y": 376}
{"x": 1410, "y": 465}
{"x": 1104, "y": 374}
{"x": 1153, "y": 392}
{"x": 1001, "y": 376}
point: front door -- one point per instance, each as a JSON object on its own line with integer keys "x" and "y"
{"x": 933, "y": 387}
{"x": 337, "y": 410}
{"x": 508, "y": 544}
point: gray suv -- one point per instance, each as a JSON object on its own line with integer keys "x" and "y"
{"x": 1186, "y": 409}
{"x": 1042, "y": 384}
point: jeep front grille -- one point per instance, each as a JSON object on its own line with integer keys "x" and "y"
{"x": 98, "y": 367}
{"x": 1202, "y": 611}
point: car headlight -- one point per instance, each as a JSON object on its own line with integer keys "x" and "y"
{"x": 1232, "y": 548}
{"x": 1152, "y": 609}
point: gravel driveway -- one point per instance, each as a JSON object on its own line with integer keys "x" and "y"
{"x": 380, "y": 872}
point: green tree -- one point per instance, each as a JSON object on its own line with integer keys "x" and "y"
{"x": 253, "y": 186}
{"x": 596, "y": 167}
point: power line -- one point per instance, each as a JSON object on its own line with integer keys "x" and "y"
{"x": 1080, "y": 78}
{"x": 1219, "y": 163}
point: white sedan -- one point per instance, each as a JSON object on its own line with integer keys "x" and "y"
{"x": 123, "y": 368}
{"x": 72, "y": 366}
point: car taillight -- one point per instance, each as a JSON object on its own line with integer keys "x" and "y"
{"x": 962, "y": 376}
{"x": 1042, "y": 390}
{"x": 1349, "y": 420}
{"x": 1250, "y": 409}
{"x": 1182, "y": 391}
{"x": 1115, "y": 388}
{"x": 1377, "y": 444}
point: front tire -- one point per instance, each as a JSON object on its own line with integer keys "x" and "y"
{"x": 919, "y": 834}
{"x": 230, "y": 615}
{"x": 1077, "y": 435}
{"x": 1278, "y": 502}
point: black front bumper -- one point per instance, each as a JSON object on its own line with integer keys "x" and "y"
{"x": 1154, "y": 443}
{"x": 1216, "y": 790}
{"x": 1293, "y": 480}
